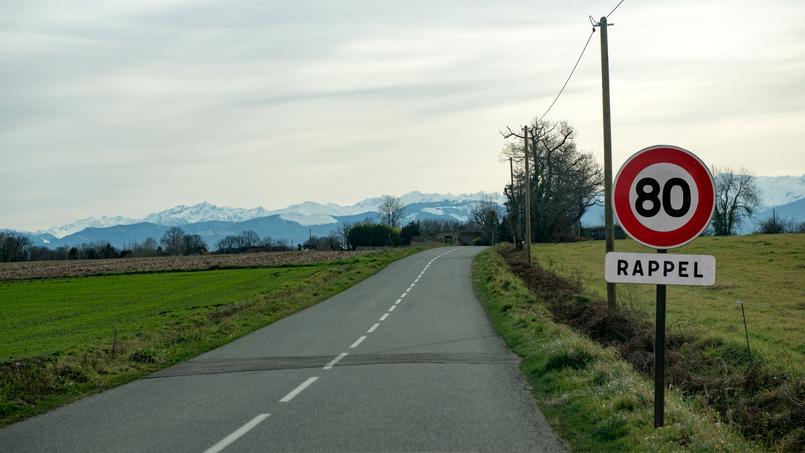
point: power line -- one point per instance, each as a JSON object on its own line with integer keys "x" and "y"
{"x": 578, "y": 60}
{"x": 569, "y": 76}
{"x": 613, "y": 9}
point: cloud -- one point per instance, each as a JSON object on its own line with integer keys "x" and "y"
{"x": 124, "y": 108}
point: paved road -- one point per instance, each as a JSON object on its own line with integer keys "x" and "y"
{"x": 404, "y": 361}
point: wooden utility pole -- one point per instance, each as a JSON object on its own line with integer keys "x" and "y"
{"x": 527, "y": 198}
{"x": 512, "y": 208}
{"x": 608, "y": 220}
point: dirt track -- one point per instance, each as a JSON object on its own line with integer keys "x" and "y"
{"x": 55, "y": 269}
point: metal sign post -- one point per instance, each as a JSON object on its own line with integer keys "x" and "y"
{"x": 659, "y": 357}
{"x": 664, "y": 198}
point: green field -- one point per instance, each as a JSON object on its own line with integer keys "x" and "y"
{"x": 42, "y": 317}
{"x": 767, "y": 272}
{"x": 62, "y": 339}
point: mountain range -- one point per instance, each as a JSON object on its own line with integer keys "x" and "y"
{"x": 294, "y": 223}
{"x": 783, "y": 195}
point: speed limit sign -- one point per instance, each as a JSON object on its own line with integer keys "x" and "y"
{"x": 664, "y": 196}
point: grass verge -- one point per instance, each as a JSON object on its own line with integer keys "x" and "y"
{"x": 764, "y": 271}
{"x": 594, "y": 400}
{"x": 63, "y": 339}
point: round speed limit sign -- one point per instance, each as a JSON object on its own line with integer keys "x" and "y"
{"x": 664, "y": 196}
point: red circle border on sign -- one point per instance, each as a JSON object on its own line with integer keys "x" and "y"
{"x": 672, "y": 155}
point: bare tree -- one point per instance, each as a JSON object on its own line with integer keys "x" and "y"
{"x": 486, "y": 213}
{"x": 391, "y": 209}
{"x": 14, "y": 247}
{"x": 173, "y": 241}
{"x": 194, "y": 244}
{"x": 150, "y": 247}
{"x": 737, "y": 199}
{"x": 777, "y": 225}
{"x": 565, "y": 182}
{"x": 249, "y": 239}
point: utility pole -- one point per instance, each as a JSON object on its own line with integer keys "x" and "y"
{"x": 511, "y": 208}
{"x": 608, "y": 220}
{"x": 527, "y": 198}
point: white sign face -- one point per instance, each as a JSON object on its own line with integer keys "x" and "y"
{"x": 660, "y": 269}
{"x": 664, "y": 197}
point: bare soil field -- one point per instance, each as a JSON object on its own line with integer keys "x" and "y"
{"x": 82, "y": 268}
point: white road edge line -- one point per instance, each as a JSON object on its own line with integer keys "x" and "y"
{"x": 357, "y": 342}
{"x": 332, "y": 363}
{"x": 385, "y": 315}
{"x": 226, "y": 441}
{"x": 299, "y": 389}
{"x": 373, "y": 328}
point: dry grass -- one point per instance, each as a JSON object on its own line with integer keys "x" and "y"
{"x": 84, "y": 268}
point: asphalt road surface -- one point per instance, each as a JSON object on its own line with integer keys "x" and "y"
{"x": 404, "y": 361}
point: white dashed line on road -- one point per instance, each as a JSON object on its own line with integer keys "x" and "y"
{"x": 373, "y": 328}
{"x": 226, "y": 441}
{"x": 335, "y": 360}
{"x": 357, "y": 342}
{"x": 391, "y": 309}
{"x": 385, "y": 315}
{"x": 299, "y": 389}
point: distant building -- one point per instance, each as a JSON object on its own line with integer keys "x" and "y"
{"x": 599, "y": 233}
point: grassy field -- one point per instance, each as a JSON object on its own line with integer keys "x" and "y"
{"x": 62, "y": 339}
{"x": 767, "y": 272}
{"x": 43, "y": 317}
{"x": 596, "y": 401}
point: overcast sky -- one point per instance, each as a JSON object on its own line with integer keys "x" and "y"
{"x": 129, "y": 107}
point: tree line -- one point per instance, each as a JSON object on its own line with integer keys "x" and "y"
{"x": 176, "y": 242}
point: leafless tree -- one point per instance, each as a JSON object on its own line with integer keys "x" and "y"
{"x": 173, "y": 241}
{"x": 249, "y": 239}
{"x": 776, "y": 225}
{"x": 149, "y": 247}
{"x": 194, "y": 244}
{"x": 14, "y": 247}
{"x": 737, "y": 199}
{"x": 429, "y": 228}
{"x": 565, "y": 182}
{"x": 391, "y": 209}
{"x": 486, "y": 213}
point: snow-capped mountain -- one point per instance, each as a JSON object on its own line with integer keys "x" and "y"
{"x": 308, "y": 213}
{"x": 90, "y": 222}
{"x": 310, "y": 208}
{"x": 203, "y": 212}
{"x": 179, "y": 215}
{"x": 779, "y": 190}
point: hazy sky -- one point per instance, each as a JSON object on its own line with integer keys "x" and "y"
{"x": 129, "y": 107}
